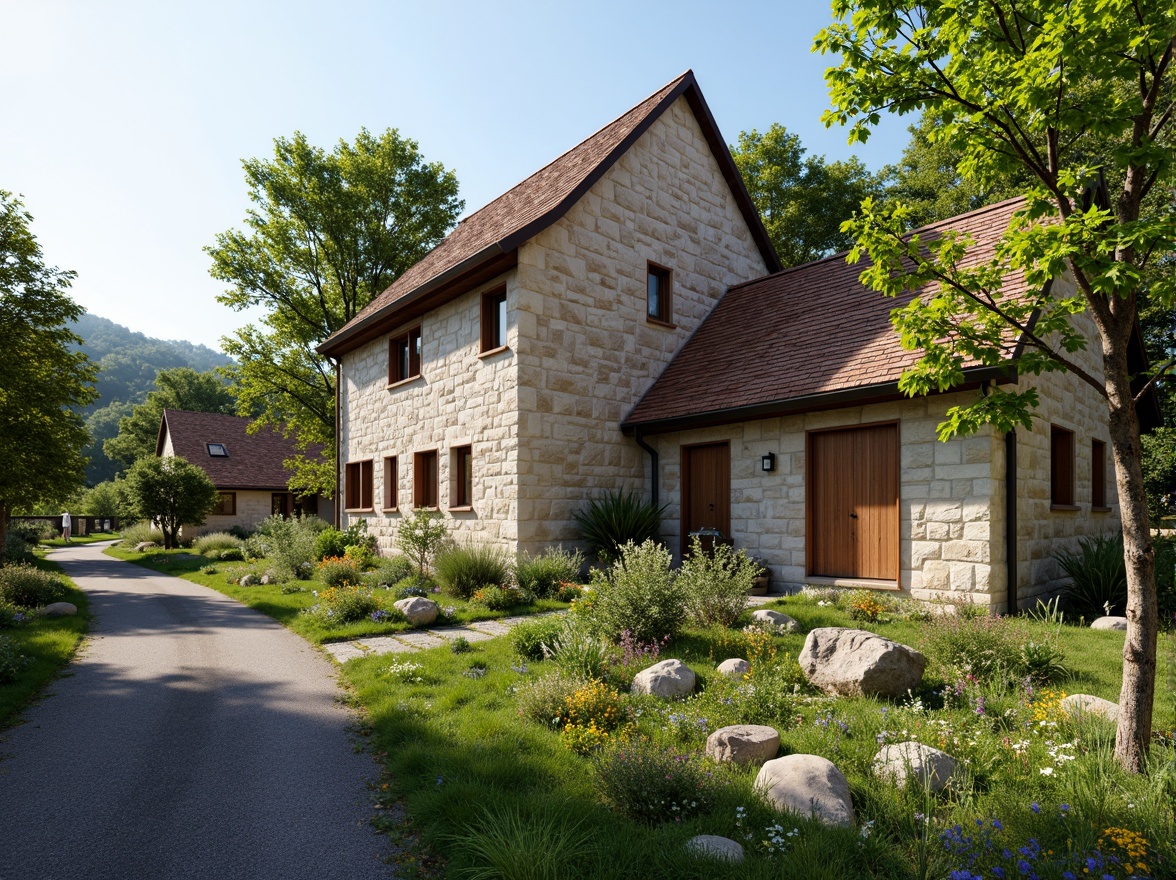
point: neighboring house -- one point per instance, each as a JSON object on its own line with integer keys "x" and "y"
{"x": 246, "y": 468}
{"x": 609, "y": 324}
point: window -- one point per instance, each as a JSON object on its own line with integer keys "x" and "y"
{"x": 404, "y": 356}
{"x": 424, "y": 479}
{"x": 218, "y": 450}
{"x": 1098, "y": 474}
{"x": 390, "y": 477}
{"x": 358, "y": 485}
{"x": 227, "y": 505}
{"x": 494, "y": 320}
{"x": 657, "y": 294}
{"x": 461, "y": 492}
{"x": 1061, "y": 467}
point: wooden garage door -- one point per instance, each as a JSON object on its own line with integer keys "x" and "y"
{"x": 853, "y": 502}
{"x": 706, "y": 489}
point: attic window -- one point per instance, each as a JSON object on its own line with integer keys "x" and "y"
{"x": 217, "y": 450}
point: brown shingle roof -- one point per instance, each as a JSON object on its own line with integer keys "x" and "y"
{"x": 254, "y": 460}
{"x": 802, "y": 339}
{"x": 533, "y": 205}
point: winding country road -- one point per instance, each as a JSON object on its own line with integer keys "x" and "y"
{"x": 192, "y": 737}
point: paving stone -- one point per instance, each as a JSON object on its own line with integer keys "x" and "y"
{"x": 343, "y": 651}
{"x": 470, "y": 635}
{"x": 514, "y": 621}
{"x": 420, "y": 639}
{"x": 384, "y": 645}
{"x": 493, "y": 627}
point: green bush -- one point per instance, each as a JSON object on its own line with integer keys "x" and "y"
{"x": 638, "y": 593}
{"x": 1098, "y": 576}
{"x": 543, "y": 699}
{"x": 529, "y": 637}
{"x": 541, "y": 575}
{"x": 986, "y": 647}
{"x": 343, "y": 604}
{"x": 464, "y": 569}
{"x": 12, "y": 661}
{"x": 336, "y": 572}
{"x": 139, "y": 533}
{"x": 8, "y": 614}
{"x": 29, "y": 587}
{"x": 715, "y": 585}
{"x": 215, "y": 543}
{"x": 1166, "y": 579}
{"x": 647, "y": 783}
{"x": 32, "y": 532}
{"x": 392, "y": 570}
{"x": 421, "y": 536}
{"x": 16, "y": 550}
{"x": 618, "y": 519}
{"x": 499, "y": 598}
{"x": 329, "y": 542}
{"x": 579, "y": 651}
{"x": 289, "y": 544}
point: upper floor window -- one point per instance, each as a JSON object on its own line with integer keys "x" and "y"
{"x": 404, "y": 356}
{"x": 494, "y": 320}
{"x": 1061, "y": 467}
{"x": 658, "y": 294}
{"x": 358, "y": 485}
{"x": 1098, "y": 474}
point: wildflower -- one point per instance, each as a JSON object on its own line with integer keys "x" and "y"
{"x": 1065, "y": 808}
{"x": 1046, "y": 771}
{"x": 1035, "y": 807}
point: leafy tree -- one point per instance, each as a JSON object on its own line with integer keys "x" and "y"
{"x": 802, "y": 200}
{"x": 330, "y": 231}
{"x": 171, "y": 493}
{"x": 41, "y": 379}
{"x": 1033, "y": 88}
{"x": 107, "y": 500}
{"x": 182, "y": 388}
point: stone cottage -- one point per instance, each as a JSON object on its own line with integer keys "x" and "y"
{"x": 618, "y": 320}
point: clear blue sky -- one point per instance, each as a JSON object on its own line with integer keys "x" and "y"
{"x": 124, "y": 123}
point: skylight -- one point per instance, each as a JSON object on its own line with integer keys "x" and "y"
{"x": 217, "y": 450}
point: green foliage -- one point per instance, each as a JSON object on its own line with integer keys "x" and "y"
{"x": 615, "y": 520}
{"x": 578, "y": 651}
{"x": 330, "y": 542}
{"x": 648, "y": 783}
{"x": 28, "y": 586}
{"x": 289, "y": 543}
{"x": 8, "y": 614}
{"x": 16, "y": 549}
{"x": 465, "y": 569}
{"x": 543, "y": 699}
{"x": 460, "y": 645}
{"x": 638, "y": 593}
{"x": 988, "y": 648}
{"x": 529, "y": 637}
{"x": 140, "y": 533}
{"x": 335, "y": 572}
{"x": 343, "y": 604}
{"x": 542, "y": 574}
{"x": 328, "y": 233}
{"x": 213, "y": 543}
{"x": 12, "y": 659}
{"x": 171, "y": 493}
{"x": 1159, "y": 472}
{"x": 506, "y": 844}
{"x": 802, "y": 201}
{"x": 32, "y": 532}
{"x": 420, "y": 536}
{"x": 108, "y": 500}
{"x": 1043, "y": 662}
{"x": 498, "y": 598}
{"x": 392, "y": 570}
{"x": 1098, "y": 576}
{"x": 716, "y": 585}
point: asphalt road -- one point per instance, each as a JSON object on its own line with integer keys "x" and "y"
{"x": 193, "y": 737}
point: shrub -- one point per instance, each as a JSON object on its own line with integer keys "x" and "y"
{"x": 542, "y": 575}
{"x": 544, "y": 843}
{"x": 12, "y": 661}
{"x": 864, "y": 605}
{"x": 499, "y": 598}
{"x": 649, "y": 784}
{"x": 215, "y": 543}
{"x": 335, "y": 572}
{"x": 359, "y": 555}
{"x": 10, "y": 615}
{"x": 421, "y": 536}
{"x": 462, "y": 570}
{"x": 329, "y": 542}
{"x": 1042, "y": 662}
{"x": 529, "y": 637}
{"x": 543, "y": 699}
{"x": 638, "y": 593}
{"x": 618, "y": 519}
{"x": 569, "y": 592}
{"x": 343, "y": 604}
{"x": 29, "y": 587}
{"x": 140, "y": 533}
{"x": 289, "y": 543}
{"x": 16, "y": 550}
{"x": 715, "y": 585}
{"x": 579, "y": 651}
{"x": 231, "y": 554}
{"x": 1098, "y": 576}
{"x": 393, "y": 570}
{"x": 32, "y": 532}
{"x": 460, "y": 645}
{"x": 988, "y": 648}
{"x": 592, "y": 715}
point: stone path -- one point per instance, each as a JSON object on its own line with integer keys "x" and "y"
{"x": 419, "y": 639}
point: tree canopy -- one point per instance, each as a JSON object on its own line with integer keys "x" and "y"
{"x": 328, "y": 232}
{"x": 1077, "y": 98}
{"x": 42, "y": 378}
{"x": 172, "y": 493}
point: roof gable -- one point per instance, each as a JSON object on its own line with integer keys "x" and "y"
{"x": 485, "y": 243}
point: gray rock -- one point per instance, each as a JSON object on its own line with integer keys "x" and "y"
{"x": 899, "y": 762}
{"x": 856, "y": 663}
{"x": 59, "y": 609}
{"x": 248, "y": 580}
{"x": 743, "y": 744}
{"x": 775, "y": 618}
{"x": 808, "y": 785}
{"x": 734, "y": 668}
{"x": 420, "y": 612}
{"x": 1118, "y": 623}
{"x": 144, "y": 546}
{"x": 1088, "y": 704}
{"x": 266, "y": 580}
{"x": 715, "y": 847}
{"x": 669, "y": 678}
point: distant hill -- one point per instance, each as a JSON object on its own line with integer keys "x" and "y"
{"x": 127, "y": 363}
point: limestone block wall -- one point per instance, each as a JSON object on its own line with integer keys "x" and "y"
{"x": 253, "y": 505}
{"x": 586, "y": 352}
{"x": 461, "y": 398}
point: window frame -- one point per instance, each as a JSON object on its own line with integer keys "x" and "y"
{"x": 1098, "y": 475}
{"x": 425, "y": 480}
{"x": 494, "y": 320}
{"x": 232, "y": 499}
{"x": 410, "y": 339}
{"x": 664, "y": 316}
{"x": 224, "y": 450}
{"x": 1061, "y": 468}
{"x": 391, "y": 483}
{"x": 357, "y": 485}
{"x": 461, "y": 482}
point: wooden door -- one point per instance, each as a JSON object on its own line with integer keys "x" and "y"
{"x": 853, "y": 477}
{"x": 706, "y": 489}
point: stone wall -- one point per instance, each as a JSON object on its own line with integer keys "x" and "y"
{"x": 253, "y": 505}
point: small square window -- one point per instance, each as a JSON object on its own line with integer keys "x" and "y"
{"x": 461, "y": 493}
{"x": 357, "y": 489}
{"x": 1061, "y": 467}
{"x": 218, "y": 450}
{"x": 424, "y": 479}
{"x": 404, "y": 356}
{"x": 494, "y": 320}
{"x": 390, "y": 477}
{"x": 658, "y": 294}
{"x": 227, "y": 504}
{"x": 1098, "y": 474}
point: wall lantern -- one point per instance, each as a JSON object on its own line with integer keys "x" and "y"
{"x": 768, "y": 462}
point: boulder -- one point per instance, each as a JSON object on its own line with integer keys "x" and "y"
{"x": 420, "y": 612}
{"x": 59, "y": 609}
{"x": 775, "y": 618}
{"x": 144, "y": 546}
{"x": 899, "y": 762}
{"x": 715, "y": 847}
{"x": 248, "y": 580}
{"x": 266, "y": 580}
{"x": 808, "y": 785}
{"x": 734, "y": 668}
{"x": 856, "y": 663}
{"x": 1088, "y": 704}
{"x": 1119, "y": 623}
{"x": 669, "y": 678}
{"x": 743, "y": 744}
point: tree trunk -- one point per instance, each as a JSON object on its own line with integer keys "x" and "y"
{"x": 4, "y": 514}
{"x": 1143, "y": 623}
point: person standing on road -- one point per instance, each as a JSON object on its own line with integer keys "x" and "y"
{"x": 65, "y": 526}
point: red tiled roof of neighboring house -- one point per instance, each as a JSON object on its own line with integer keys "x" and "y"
{"x": 527, "y": 209}
{"x": 254, "y": 461}
{"x": 806, "y": 338}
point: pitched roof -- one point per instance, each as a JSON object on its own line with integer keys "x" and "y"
{"x": 254, "y": 461}
{"x": 484, "y": 243}
{"x": 806, "y": 338}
